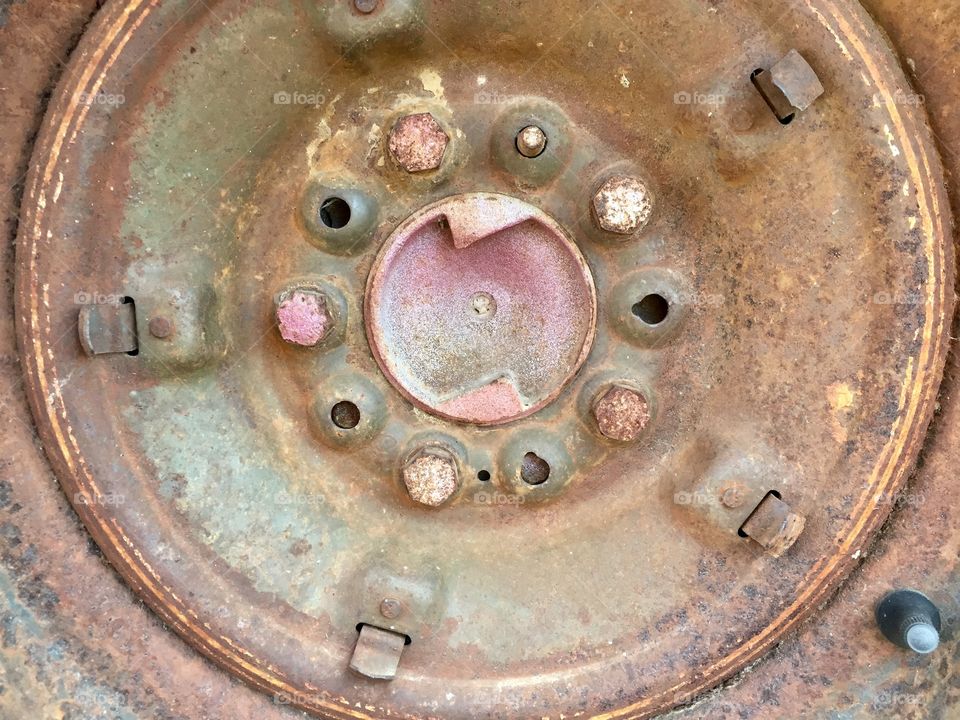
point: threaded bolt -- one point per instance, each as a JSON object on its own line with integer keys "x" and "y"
{"x": 531, "y": 141}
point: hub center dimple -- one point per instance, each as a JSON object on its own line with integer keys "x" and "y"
{"x": 483, "y": 304}
{"x": 427, "y": 280}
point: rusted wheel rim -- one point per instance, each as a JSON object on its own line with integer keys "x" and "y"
{"x": 150, "y": 519}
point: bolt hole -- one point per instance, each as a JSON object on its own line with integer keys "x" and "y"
{"x": 335, "y": 213}
{"x": 483, "y": 476}
{"x": 775, "y": 493}
{"x": 534, "y": 470}
{"x": 345, "y": 415}
{"x": 652, "y": 309}
{"x": 407, "y": 640}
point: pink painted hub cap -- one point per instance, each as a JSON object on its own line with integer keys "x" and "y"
{"x": 480, "y": 309}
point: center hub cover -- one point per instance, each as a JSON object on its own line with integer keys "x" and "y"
{"x": 480, "y": 308}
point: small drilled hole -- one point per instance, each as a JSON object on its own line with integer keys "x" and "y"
{"x": 652, "y": 309}
{"x": 534, "y": 470}
{"x": 335, "y": 213}
{"x": 483, "y": 476}
{"x": 345, "y": 415}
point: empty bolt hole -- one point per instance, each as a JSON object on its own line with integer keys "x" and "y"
{"x": 652, "y": 309}
{"x": 407, "y": 640}
{"x": 335, "y": 213}
{"x": 534, "y": 470}
{"x": 345, "y": 415}
{"x": 483, "y": 476}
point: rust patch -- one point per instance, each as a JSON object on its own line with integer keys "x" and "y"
{"x": 622, "y": 414}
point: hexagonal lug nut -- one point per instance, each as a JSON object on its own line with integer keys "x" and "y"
{"x": 431, "y": 476}
{"x": 418, "y": 143}
{"x": 304, "y": 316}
{"x": 623, "y": 205}
{"x": 774, "y": 525}
{"x": 621, "y": 413}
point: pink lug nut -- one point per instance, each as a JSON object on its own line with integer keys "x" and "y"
{"x": 303, "y": 317}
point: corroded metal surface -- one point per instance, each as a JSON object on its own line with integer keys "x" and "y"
{"x": 480, "y": 309}
{"x": 178, "y": 461}
{"x": 621, "y": 413}
{"x": 766, "y": 685}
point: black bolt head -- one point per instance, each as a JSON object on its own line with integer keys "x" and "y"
{"x": 909, "y": 619}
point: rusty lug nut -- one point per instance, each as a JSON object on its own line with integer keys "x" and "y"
{"x": 774, "y": 525}
{"x": 622, "y": 413}
{"x": 418, "y": 143}
{"x": 160, "y": 327}
{"x": 623, "y": 205}
{"x": 391, "y": 608}
{"x": 431, "y": 476}
{"x": 304, "y": 317}
{"x": 531, "y": 141}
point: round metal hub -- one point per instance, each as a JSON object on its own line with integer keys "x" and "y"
{"x": 758, "y": 312}
{"x": 480, "y": 309}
